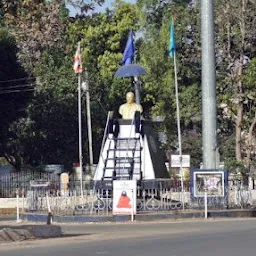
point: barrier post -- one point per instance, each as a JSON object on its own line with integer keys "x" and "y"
{"x": 18, "y": 206}
{"x": 132, "y": 213}
{"x": 205, "y": 204}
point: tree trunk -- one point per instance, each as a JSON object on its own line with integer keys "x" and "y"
{"x": 238, "y": 131}
{"x": 239, "y": 89}
{"x": 250, "y": 141}
{"x": 15, "y": 161}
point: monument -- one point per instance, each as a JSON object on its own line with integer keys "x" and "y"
{"x": 131, "y": 150}
{"x": 128, "y": 109}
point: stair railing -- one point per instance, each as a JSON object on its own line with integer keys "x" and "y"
{"x": 128, "y": 140}
{"x": 105, "y": 134}
{"x": 103, "y": 143}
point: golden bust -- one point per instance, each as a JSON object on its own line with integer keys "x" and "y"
{"x": 128, "y": 109}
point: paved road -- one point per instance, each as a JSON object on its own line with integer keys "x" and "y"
{"x": 7, "y": 217}
{"x": 208, "y": 238}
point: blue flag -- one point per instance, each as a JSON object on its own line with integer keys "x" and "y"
{"x": 129, "y": 51}
{"x": 172, "y": 40}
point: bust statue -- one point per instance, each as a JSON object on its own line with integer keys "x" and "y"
{"x": 128, "y": 109}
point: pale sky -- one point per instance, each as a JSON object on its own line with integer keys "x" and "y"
{"x": 107, "y": 4}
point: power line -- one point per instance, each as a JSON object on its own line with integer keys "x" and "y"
{"x": 15, "y": 91}
{"x": 16, "y": 86}
{"x": 18, "y": 79}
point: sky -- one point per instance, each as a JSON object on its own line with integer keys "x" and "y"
{"x": 107, "y": 4}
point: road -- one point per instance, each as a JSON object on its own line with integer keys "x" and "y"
{"x": 208, "y": 238}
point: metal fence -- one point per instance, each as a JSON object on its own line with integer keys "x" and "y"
{"x": 21, "y": 180}
{"x": 99, "y": 202}
{"x": 43, "y": 190}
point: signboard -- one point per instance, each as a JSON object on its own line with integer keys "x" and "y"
{"x": 124, "y": 197}
{"x": 175, "y": 161}
{"x": 214, "y": 182}
{"x": 39, "y": 184}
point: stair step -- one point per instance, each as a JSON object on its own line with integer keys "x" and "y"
{"x": 117, "y": 168}
{"x": 124, "y": 149}
{"x": 129, "y": 139}
{"x": 126, "y": 162}
{"x": 123, "y": 160}
{"x": 125, "y": 157}
{"x": 120, "y": 175}
{"x": 123, "y": 178}
{"x": 127, "y": 142}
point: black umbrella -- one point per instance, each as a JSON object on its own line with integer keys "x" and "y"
{"x": 130, "y": 70}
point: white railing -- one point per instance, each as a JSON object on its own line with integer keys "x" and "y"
{"x": 99, "y": 202}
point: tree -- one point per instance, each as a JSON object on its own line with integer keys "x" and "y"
{"x": 84, "y": 5}
{"x": 158, "y": 86}
{"x": 15, "y": 91}
{"x": 36, "y": 25}
{"x": 53, "y": 113}
{"x": 250, "y": 106}
{"x": 36, "y": 28}
{"x": 235, "y": 47}
{"x": 103, "y": 37}
{"x": 47, "y": 132}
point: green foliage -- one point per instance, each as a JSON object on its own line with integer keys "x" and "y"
{"x": 235, "y": 48}
{"x": 103, "y": 37}
{"x": 14, "y": 93}
{"x": 47, "y": 132}
{"x": 250, "y": 84}
{"x": 158, "y": 86}
{"x": 53, "y": 112}
{"x": 37, "y": 130}
{"x": 43, "y": 129}
{"x": 3, "y": 161}
{"x": 36, "y": 26}
{"x": 236, "y": 167}
{"x": 84, "y": 5}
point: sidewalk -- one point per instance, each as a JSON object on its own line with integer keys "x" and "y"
{"x": 174, "y": 215}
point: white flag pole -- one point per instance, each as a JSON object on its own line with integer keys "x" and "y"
{"x": 80, "y": 133}
{"x": 178, "y": 125}
{"x": 80, "y": 128}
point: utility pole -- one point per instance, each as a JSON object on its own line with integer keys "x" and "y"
{"x": 89, "y": 125}
{"x": 208, "y": 85}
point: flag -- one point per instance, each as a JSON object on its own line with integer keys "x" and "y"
{"x": 129, "y": 51}
{"x": 78, "y": 61}
{"x": 172, "y": 40}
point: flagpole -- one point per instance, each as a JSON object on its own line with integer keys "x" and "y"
{"x": 129, "y": 58}
{"x": 173, "y": 52}
{"x": 178, "y": 127}
{"x": 80, "y": 133}
{"x": 78, "y": 70}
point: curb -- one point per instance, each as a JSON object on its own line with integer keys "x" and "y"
{"x": 29, "y": 232}
{"x": 140, "y": 217}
